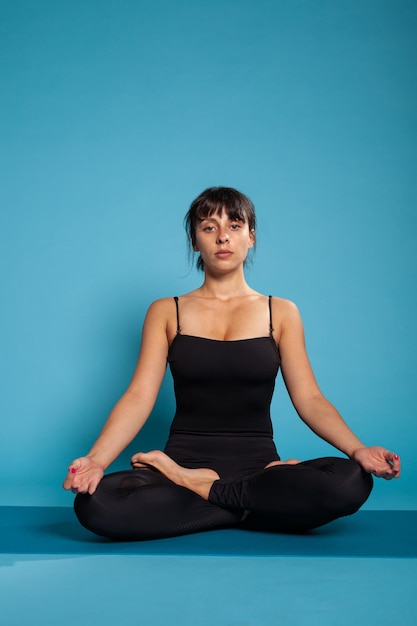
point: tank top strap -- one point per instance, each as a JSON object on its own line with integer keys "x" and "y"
{"x": 178, "y": 315}
{"x": 271, "y": 328}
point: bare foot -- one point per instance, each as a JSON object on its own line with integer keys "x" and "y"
{"x": 197, "y": 480}
{"x": 287, "y": 462}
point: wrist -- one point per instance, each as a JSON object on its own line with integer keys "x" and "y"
{"x": 98, "y": 460}
{"x": 355, "y": 451}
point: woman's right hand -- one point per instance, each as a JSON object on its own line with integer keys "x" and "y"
{"x": 83, "y": 476}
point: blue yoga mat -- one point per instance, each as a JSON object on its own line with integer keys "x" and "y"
{"x": 55, "y": 530}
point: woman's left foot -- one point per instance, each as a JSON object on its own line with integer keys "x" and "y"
{"x": 197, "y": 480}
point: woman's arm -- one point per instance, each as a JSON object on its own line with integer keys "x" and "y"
{"x": 313, "y": 408}
{"x": 134, "y": 407}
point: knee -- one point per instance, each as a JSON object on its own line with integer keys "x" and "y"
{"x": 102, "y": 512}
{"x": 105, "y": 517}
{"x": 354, "y": 485}
{"x": 87, "y": 509}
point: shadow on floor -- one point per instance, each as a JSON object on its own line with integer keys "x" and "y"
{"x": 55, "y": 530}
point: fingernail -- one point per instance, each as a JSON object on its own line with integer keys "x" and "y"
{"x": 396, "y": 457}
{"x": 73, "y": 470}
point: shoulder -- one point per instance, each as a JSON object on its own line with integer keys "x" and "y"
{"x": 161, "y": 305}
{"x": 285, "y": 308}
{"x": 160, "y": 320}
{"x": 160, "y": 311}
{"x": 286, "y": 318}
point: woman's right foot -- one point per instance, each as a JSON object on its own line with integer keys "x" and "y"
{"x": 287, "y": 462}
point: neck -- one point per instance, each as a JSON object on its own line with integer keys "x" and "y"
{"x": 225, "y": 287}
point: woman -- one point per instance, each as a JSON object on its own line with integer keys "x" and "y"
{"x": 224, "y": 343}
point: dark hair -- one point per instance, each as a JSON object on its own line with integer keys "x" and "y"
{"x": 216, "y": 200}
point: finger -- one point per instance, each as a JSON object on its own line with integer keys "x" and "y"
{"x": 67, "y": 484}
{"x": 74, "y": 466}
{"x": 386, "y": 474}
{"x": 79, "y": 489}
{"x": 93, "y": 486}
{"x": 393, "y": 461}
{"x": 396, "y": 465}
{"x": 79, "y": 482}
{"x": 69, "y": 480}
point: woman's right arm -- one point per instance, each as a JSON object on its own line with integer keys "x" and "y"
{"x": 134, "y": 407}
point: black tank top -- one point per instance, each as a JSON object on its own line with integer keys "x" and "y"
{"x": 223, "y": 388}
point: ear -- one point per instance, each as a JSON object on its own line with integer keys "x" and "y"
{"x": 251, "y": 242}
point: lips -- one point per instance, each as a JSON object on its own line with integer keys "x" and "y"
{"x": 223, "y": 253}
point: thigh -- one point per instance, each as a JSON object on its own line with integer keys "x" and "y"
{"x": 297, "y": 497}
{"x": 142, "y": 504}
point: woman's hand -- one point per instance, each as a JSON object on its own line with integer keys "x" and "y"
{"x": 378, "y": 461}
{"x": 83, "y": 476}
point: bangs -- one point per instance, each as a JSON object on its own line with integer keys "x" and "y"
{"x": 234, "y": 213}
{"x": 222, "y": 199}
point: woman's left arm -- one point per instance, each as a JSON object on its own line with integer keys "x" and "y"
{"x": 313, "y": 408}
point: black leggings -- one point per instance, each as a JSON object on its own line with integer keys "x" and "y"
{"x": 143, "y": 504}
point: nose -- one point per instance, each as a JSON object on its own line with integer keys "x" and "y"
{"x": 223, "y": 237}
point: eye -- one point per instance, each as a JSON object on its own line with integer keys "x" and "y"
{"x": 208, "y": 229}
{"x": 235, "y": 226}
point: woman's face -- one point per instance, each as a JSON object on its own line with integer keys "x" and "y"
{"x": 223, "y": 242}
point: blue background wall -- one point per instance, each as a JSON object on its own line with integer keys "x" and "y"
{"x": 115, "y": 115}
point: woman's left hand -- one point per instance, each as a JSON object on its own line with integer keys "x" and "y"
{"x": 378, "y": 461}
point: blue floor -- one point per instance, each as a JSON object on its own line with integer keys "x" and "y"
{"x": 362, "y": 569}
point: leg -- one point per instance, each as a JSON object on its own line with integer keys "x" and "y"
{"x": 286, "y": 497}
{"x": 296, "y": 498}
{"x": 142, "y": 504}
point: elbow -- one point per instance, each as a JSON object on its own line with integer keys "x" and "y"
{"x": 136, "y": 399}
{"x": 309, "y": 404}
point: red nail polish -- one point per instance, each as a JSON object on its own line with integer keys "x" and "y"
{"x": 396, "y": 457}
{"x": 73, "y": 470}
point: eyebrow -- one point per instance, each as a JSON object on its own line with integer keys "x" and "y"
{"x": 212, "y": 218}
